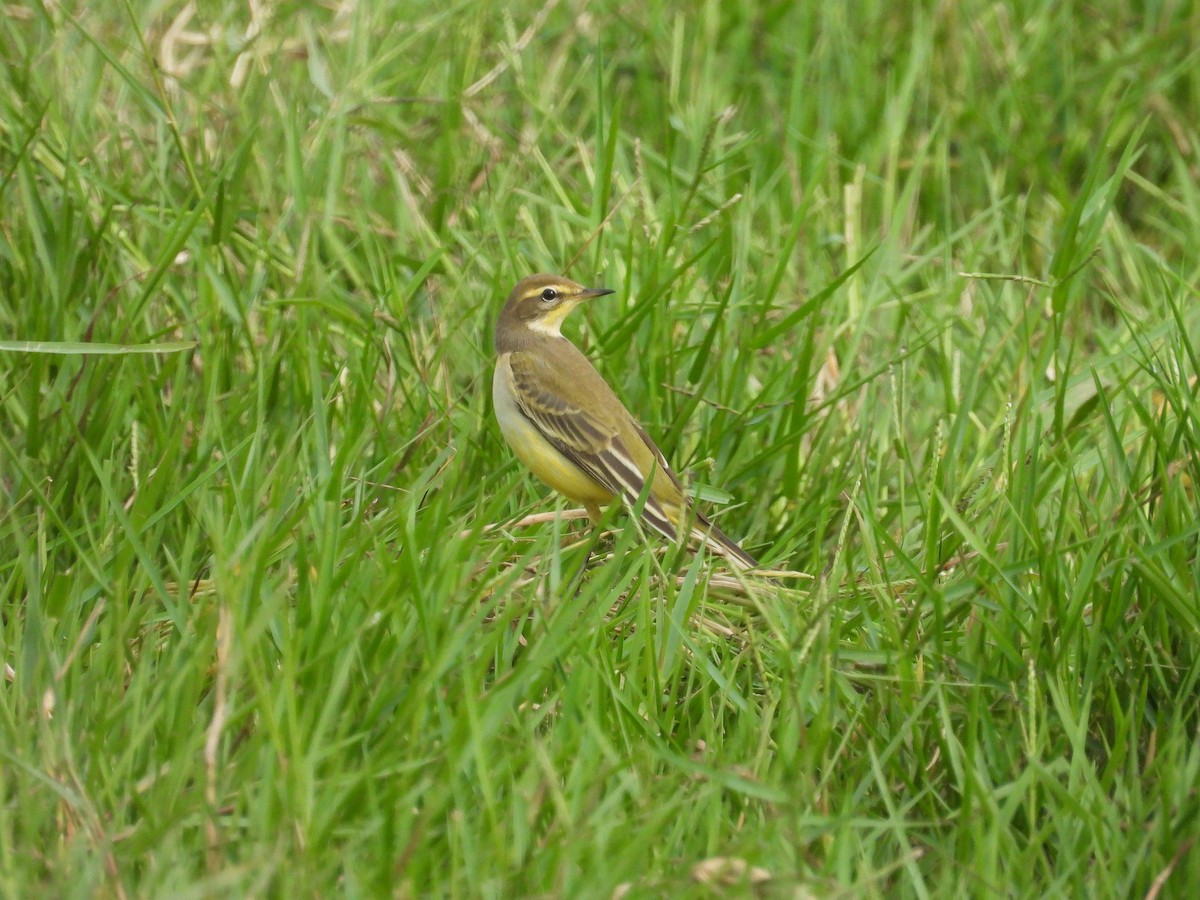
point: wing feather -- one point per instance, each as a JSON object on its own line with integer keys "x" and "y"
{"x": 579, "y": 437}
{"x": 614, "y": 450}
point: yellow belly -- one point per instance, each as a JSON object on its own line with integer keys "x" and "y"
{"x": 538, "y": 454}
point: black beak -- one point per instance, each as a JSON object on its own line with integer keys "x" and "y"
{"x": 589, "y": 293}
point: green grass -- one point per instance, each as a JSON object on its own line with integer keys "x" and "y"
{"x": 915, "y": 289}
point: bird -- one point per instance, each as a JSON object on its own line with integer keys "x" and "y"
{"x": 567, "y": 426}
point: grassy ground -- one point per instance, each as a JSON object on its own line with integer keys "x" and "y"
{"x": 910, "y": 293}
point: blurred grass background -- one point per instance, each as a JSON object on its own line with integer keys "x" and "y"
{"x": 911, "y": 291}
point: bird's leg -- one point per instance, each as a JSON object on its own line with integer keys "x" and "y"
{"x": 594, "y": 512}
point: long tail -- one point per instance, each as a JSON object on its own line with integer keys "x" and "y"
{"x": 719, "y": 542}
{"x": 664, "y": 518}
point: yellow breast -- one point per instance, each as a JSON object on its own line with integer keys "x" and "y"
{"x": 538, "y": 454}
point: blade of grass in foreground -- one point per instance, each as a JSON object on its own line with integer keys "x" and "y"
{"x": 87, "y": 348}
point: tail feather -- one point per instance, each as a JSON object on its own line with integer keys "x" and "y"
{"x": 719, "y": 542}
{"x": 664, "y": 519}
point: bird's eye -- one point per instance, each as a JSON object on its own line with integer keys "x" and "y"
{"x": 549, "y": 294}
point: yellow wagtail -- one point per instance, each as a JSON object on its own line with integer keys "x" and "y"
{"x": 565, "y": 423}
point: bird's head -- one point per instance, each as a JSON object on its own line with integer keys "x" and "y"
{"x": 541, "y": 302}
